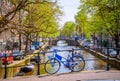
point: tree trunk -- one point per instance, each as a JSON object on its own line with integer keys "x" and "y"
{"x": 26, "y": 46}
{"x": 20, "y": 42}
{"x": 101, "y": 40}
{"x": 117, "y": 43}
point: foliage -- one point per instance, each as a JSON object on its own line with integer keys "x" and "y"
{"x": 82, "y": 23}
{"x": 68, "y": 29}
{"x": 103, "y": 16}
{"x": 42, "y": 19}
{"x": 30, "y": 18}
{"x": 41, "y": 12}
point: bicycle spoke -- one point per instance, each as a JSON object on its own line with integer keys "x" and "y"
{"x": 52, "y": 66}
{"x": 78, "y": 64}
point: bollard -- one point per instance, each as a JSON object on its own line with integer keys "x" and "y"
{"x": 107, "y": 60}
{"x": 38, "y": 63}
{"x": 5, "y": 75}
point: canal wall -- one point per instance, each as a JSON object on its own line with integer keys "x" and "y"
{"x": 14, "y": 68}
{"x": 111, "y": 61}
{"x": 52, "y": 42}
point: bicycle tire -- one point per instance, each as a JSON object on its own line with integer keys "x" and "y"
{"x": 78, "y": 63}
{"x": 52, "y": 66}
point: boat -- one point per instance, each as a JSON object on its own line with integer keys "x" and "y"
{"x": 27, "y": 68}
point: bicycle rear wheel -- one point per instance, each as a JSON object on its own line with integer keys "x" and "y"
{"x": 52, "y": 66}
{"x": 77, "y": 64}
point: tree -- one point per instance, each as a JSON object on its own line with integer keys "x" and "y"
{"x": 40, "y": 21}
{"x": 82, "y": 23}
{"x": 30, "y": 18}
{"x": 108, "y": 13}
{"x": 68, "y": 29}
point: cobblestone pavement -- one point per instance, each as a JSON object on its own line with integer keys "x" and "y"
{"x": 97, "y": 75}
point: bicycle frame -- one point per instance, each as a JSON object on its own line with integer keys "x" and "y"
{"x": 59, "y": 58}
{"x": 73, "y": 62}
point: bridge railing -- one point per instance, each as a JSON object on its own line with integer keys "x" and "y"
{"x": 12, "y": 71}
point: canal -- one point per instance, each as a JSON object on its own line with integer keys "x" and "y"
{"x": 92, "y": 62}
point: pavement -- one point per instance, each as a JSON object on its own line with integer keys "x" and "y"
{"x": 95, "y": 75}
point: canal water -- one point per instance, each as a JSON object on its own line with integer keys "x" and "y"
{"x": 91, "y": 62}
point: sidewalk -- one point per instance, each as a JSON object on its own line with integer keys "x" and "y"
{"x": 97, "y": 75}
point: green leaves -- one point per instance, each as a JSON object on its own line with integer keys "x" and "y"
{"x": 41, "y": 18}
{"x": 69, "y": 29}
{"x": 103, "y": 14}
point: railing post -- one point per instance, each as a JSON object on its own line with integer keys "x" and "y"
{"x": 5, "y": 75}
{"x": 38, "y": 63}
{"x": 107, "y": 60}
{"x": 72, "y": 52}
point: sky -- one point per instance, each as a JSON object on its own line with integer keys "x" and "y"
{"x": 70, "y": 9}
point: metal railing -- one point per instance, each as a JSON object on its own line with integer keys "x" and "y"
{"x": 5, "y": 69}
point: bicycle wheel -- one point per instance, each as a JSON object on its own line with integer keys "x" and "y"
{"x": 52, "y": 66}
{"x": 77, "y": 64}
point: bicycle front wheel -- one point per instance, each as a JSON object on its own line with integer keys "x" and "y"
{"x": 78, "y": 64}
{"x": 52, "y": 66}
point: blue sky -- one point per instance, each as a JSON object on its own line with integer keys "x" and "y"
{"x": 69, "y": 8}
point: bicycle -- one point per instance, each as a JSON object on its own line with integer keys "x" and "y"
{"x": 74, "y": 62}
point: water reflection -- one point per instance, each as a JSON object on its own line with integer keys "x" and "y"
{"x": 62, "y": 43}
{"x": 92, "y": 63}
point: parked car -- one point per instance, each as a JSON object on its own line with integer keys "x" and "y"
{"x": 8, "y": 45}
{"x": 86, "y": 43}
{"x": 82, "y": 42}
{"x": 41, "y": 44}
{"x": 9, "y": 57}
{"x": 35, "y": 44}
{"x": 112, "y": 52}
{"x": 18, "y": 55}
{"x": 1, "y": 54}
{"x": 104, "y": 51}
{"x": 91, "y": 45}
{"x": 32, "y": 47}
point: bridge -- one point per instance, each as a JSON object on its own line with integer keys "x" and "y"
{"x": 97, "y": 75}
{"x": 81, "y": 74}
{"x": 112, "y": 61}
